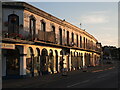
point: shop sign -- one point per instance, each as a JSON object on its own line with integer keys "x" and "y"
{"x": 7, "y": 46}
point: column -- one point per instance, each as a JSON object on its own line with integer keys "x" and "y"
{"x": 58, "y": 63}
{"x": 23, "y": 64}
{"x": 54, "y": 67}
{"x": 83, "y": 59}
{"x": 70, "y": 59}
{"x": 23, "y": 53}
{"x": 93, "y": 59}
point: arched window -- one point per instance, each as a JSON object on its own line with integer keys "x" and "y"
{"x": 43, "y": 26}
{"x": 72, "y": 37}
{"x": 13, "y": 26}
{"x": 32, "y": 26}
{"x": 53, "y": 28}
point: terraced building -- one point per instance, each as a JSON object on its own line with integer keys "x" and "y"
{"x": 35, "y": 42}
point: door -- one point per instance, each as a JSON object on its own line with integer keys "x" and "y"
{"x": 12, "y": 63}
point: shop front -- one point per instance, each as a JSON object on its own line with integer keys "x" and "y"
{"x": 10, "y": 60}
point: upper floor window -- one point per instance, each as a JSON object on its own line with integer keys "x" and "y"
{"x": 80, "y": 42}
{"x": 13, "y": 26}
{"x": 72, "y": 37}
{"x": 84, "y": 42}
{"x": 77, "y": 40}
{"x": 53, "y": 28}
{"x": 60, "y": 34}
{"x": 32, "y": 25}
{"x": 64, "y": 40}
{"x": 43, "y": 26}
{"x": 67, "y": 37}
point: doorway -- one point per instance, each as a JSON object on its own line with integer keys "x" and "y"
{"x": 13, "y": 62}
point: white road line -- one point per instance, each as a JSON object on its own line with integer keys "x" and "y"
{"x": 78, "y": 83}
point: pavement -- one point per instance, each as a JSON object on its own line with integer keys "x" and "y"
{"x": 26, "y": 82}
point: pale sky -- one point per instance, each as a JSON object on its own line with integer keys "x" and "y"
{"x": 98, "y": 18}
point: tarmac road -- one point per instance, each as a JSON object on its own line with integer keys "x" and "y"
{"x": 95, "y": 77}
{"x": 102, "y": 79}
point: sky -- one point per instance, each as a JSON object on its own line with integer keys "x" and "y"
{"x": 100, "y": 19}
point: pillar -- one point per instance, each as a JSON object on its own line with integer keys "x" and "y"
{"x": 59, "y": 63}
{"x": 54, "y": 67}
{"x": 83, "y": 59}
{"x": 23, "y": 61}
{"x": 23, "y": 64}
{"x": 70, "y": 59}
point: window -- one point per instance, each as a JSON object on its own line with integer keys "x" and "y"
{"x": 80, "y": 42}
{"x": 53, "y": 28}
{"x": 43, "y": 26}
{"x": 60, "y": 34}
{"x": 84, "y": 42}
{"x": 13, "y": 26}
{"x": 64, "y": 40}
{"x": 77, "y": 40}
{"x": 72, "y": 37}
{"x": 67, "y": 37}
{"x": 32, "y": 26}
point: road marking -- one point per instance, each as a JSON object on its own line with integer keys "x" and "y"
{"x": 78, "y": 83}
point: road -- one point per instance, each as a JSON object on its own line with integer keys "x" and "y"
{"x": 105, "y": 76}
{"x": 95, "y": 79}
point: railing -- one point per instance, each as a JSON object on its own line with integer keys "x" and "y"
{"x": 42, "y": 36}
{"x": 48, "y": 37}
{"x": 12, "y": 35}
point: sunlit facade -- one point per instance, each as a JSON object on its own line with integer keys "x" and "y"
{"x": 36, "y": 43}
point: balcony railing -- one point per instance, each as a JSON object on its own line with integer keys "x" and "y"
{"x": 12, "y": 35}
{"x": 47, "y": 37}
